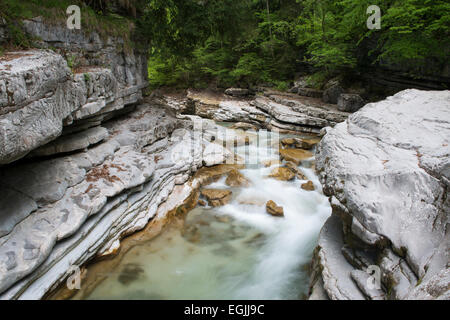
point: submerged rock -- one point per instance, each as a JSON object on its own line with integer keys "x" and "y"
{"x": 244, "y": 126}
{"x": 273, "y": 209}
{"x": 294, "y": 168}
{"x": 131, "y": 273}
{"x": 282, "y": 174}
{"x": 309, "y": 186}
{"x": 295, "y": 155}
{"x": 236, "y": 179}
{"x": 297, "y": 143}
{"x": 217, "y": 197}
{"x": 202, "y": 203}
{"x": 269, "y": 163}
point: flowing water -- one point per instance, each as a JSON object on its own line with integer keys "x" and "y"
{"x": 237, "y": 251}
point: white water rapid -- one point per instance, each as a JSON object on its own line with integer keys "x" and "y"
{"x": 237, "y": 251}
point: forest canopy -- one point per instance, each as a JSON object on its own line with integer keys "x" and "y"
{"x": 200, "y": 43}
{"x": 228, "y": 42}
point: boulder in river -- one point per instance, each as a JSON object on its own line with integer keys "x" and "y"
{"x": 236, "y": 179}
{"x": 294, "y": 168}
{"x": 273, "y": 209}
{"x": 295, "y": 155}
{"x": 202, "y": 203}
{"x": 217, "y": 197}
{"x": 309, "y": 186}
{"x": 282, "y": 174}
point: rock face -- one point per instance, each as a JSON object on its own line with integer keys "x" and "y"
{"x": 387, "y": 173}
{"x": 273, "y": 110}
{"x": 99, "y": 161}
{"x": 39, "y": 96}
{"x": 35, "y": 98}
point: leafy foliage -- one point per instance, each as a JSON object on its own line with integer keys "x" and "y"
{"x": 248, "y": 42}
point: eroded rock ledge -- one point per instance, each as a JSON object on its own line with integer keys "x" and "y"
{"x": 84, "y": 159}
{"x": 272, "y": 110}
{"x": 387, "y": 173}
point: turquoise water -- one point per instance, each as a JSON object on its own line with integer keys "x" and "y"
{"x": 237, "y": 251}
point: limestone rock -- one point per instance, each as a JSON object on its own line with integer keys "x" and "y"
{"x": 214, "y": 154}
{"x": 392, "y": 156}
{"x": 282, "y": 174}
{"x": 78, "y": 141}
{"x": 309, "y": 186}
{"x": 35, "y": 98}
{"x": 332, "y": 94}
{"x": 274, "y": 111}
{"x": 294, "y": 168}
{"x": 202, "y": 203}
{"x": 288, "y": 141}
{"x": 307, "y": 144}
{"x": 237, "y": 92}
{"x": 269, "y": 163}
{"x": 244, "y": 126}
{"x": 274, "y": 210}
{"x": 236, "y": 179}
{"x": 295, "y": 155}
{"x": 217, "y": 197}
{"x": 366, "y": 285}
{"x": 335, "y": 270}
{"x": 308, "y": 92}
{"x": 350, "y": 102}
{"x": 298, "y": 143}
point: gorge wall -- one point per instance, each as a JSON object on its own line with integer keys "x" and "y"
{"x": 85, "y": 160}
{"x": 387, "y": 173}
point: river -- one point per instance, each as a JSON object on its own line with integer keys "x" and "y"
{"x": 237, "y": 251}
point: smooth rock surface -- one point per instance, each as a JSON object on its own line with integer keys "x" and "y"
{"x": 388, "y": 168}
{"x": 274, "y": 210}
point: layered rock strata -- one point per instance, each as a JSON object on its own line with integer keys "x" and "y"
{"x": 84, "y": 160}
{"x": 272, "y": 110}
